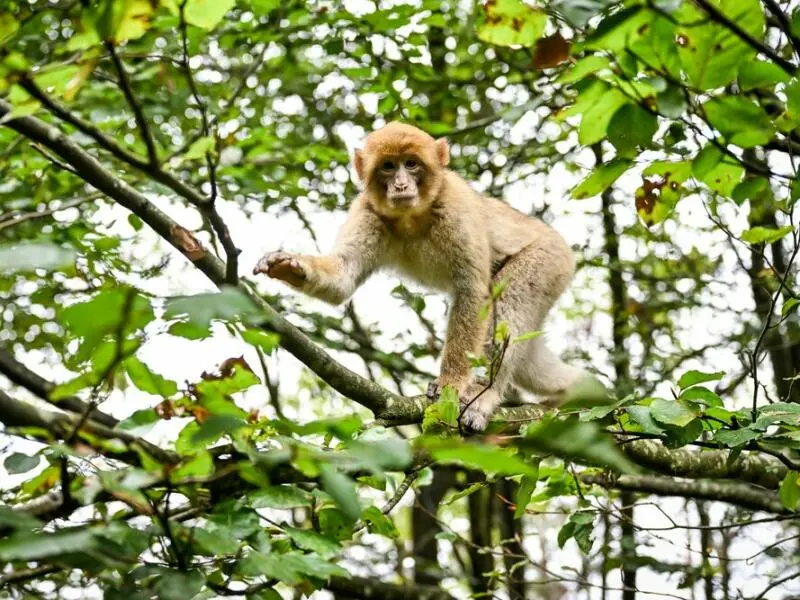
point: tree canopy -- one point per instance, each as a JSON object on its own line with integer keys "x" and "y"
{"x": 175, "y": 428}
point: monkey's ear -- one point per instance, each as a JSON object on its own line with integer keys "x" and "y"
{"x": 358, "y": 163}
{"x": 443, "y": 152}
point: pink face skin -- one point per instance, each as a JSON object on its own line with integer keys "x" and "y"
{"x": 401, "y": 177}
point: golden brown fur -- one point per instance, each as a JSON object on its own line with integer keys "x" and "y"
{"x": 424, "y": 221}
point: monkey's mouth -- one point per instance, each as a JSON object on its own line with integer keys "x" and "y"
{"x": 403, "y": 198}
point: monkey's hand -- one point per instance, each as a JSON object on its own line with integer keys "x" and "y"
{"x": 283, "y": 266}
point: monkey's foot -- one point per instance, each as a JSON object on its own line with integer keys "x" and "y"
{"x": 475, "y": 417}
{"x": 283, "y": 266}
{"x": 477, "y": 406}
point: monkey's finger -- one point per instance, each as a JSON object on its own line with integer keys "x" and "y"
{"x": 262, "y": 266}
{"x": 289, "y": 271}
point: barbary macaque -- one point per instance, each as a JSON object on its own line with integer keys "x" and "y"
{"x": 423, "y": 220}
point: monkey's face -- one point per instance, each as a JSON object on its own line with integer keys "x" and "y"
{"x": 402, "y": 169}
{"x": 400, "y": 179}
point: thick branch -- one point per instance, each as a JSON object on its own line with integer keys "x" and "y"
{"x": 21, "y": 375}
{"x": 741, "y": 494}
{"x": 759, "y": 469}
{"x": 15, "y": 413}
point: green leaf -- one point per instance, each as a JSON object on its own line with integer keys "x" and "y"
{"x": 600, "y": 178}
{"x": 510, "y": 23}
{"x": 701, "y": 395}
{"x": 597, "y": 117}
{"x": 527, "y": 485}
{"x": 691, "y": 378}
{"x": 199, "y": 148}
{"x": 584, "y": 67}
{"x": 530, "y": 335}
{"x": 672, "y": 412}
{"x": 215, "y": 540}
{"x": 199, "y": 466}
{"x": 175, "y": 585}
{"x": 490, "y": 459}
{"x": 8, "y": 27}
{"x": 740, "y": 121}
{"x": 735, "y": 437}
{"x": 632, "y": 127}
{"x": 379, "y": 523}
{"x": 571, "y": 439}
{"x": 147, "y": 381}
{"x": 29, "y": 256}
{"x": 17, "y": 463}
{"x": 789, "y": 492}
{"x": 280, "y": 497}
{"x": 342, "y": 489}
{"x": 227, "y": 305}
{"x": 706, "y": 161}
{"x": 789, "y": 305}
{"x": 579, "y": 527}
{"x": 206, "y": 13}
{"x": 291, "y": 568}
{"x": 709, "y": 52}
{"x": 765, "y": 235}
{"x": 620, "y": 29}
{"x": 753, "y": 188}
{"x": 259, "y": 338}
{"x": 760, "y": 74}
{"x": 441, "y": 417}
{"x": 641, "y": 416}
{"x": 214, "y": 427}
{"x": 308, "y": 539}
{"x": 15, "y": 519}
{"x": 44, "y": 545}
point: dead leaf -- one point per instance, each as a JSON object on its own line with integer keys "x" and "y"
{"x": 186, "y": 242}
{"x": 550, "y": 51}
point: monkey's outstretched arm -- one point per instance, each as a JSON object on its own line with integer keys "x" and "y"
{"x": 335, "y": 276}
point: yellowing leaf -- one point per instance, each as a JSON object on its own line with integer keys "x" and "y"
{"x": 511, "y": 23}
{"x": 206, "y": 13}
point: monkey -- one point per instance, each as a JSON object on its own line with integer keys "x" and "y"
{"x": 424, "y": 221}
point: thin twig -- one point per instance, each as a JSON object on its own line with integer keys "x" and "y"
{"x": 719, "y": 17}
{"x": 127, "y": 91}
{"x": 209, "y": 207}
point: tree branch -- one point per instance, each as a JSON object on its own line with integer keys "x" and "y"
{"x": 741, "y": 494}
{"x": 19, "y": 374}
{"x": 716, "y": 15}
{"x": 138, "y": 114}
{"x": 15, "y": 413}
{"x": 750, "y": 467}
{"x": 783, "y": 23}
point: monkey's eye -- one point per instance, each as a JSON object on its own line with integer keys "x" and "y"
{"x": 387, "y": 165}
{"x": 411, "y": 164}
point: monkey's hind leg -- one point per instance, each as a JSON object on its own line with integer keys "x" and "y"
{"x": 545, "y": 374}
